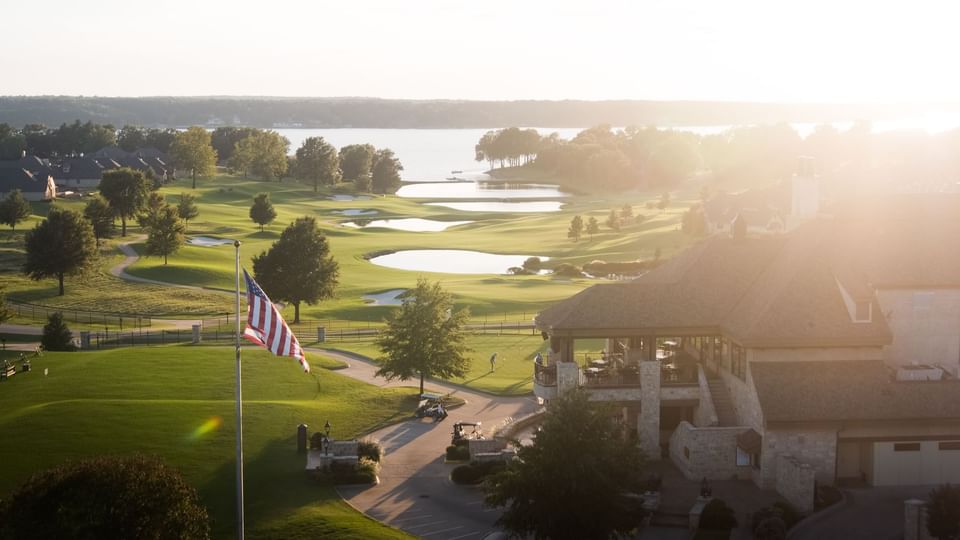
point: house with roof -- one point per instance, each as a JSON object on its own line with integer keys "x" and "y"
{"x": 828, "y": 354}
{"x": 147, "y": 160}
{"x": 33, "y": 186}
{"x": 79, "y": 173}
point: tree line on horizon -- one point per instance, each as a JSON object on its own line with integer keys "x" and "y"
{"x": 635, "y": 158}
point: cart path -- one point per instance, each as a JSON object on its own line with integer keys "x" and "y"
{"x": 415, "y": 493}
{"x": 131, "y": 256}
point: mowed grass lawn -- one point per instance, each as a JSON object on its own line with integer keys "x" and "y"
{"x": 514, "y": 371}
{"x": 157, "y": 400}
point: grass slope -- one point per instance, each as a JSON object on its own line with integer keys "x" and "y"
{"x": 155, "y": 400}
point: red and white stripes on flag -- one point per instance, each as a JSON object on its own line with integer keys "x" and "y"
{"x": 266, "y": 327}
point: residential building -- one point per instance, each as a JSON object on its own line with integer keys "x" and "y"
{"x": 33, "y": 186}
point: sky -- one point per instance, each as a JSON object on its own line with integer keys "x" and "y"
{"x": 809, "y": 51}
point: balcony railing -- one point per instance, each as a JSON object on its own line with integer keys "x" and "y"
{"x": 545, "y": 375}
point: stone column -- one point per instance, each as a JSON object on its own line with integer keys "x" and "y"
{"x": 568, "y": 377}
{"x": 648, "y": 421}
{"x": 912, "y": 520}
{"x": 196, "y": 334}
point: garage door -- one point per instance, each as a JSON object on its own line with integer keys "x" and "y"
{"x": 914, "y": 463}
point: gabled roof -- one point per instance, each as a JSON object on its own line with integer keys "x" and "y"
{"x": 111, "y": 152}
{"x": 107, "y": 163}
{"x": 12, "y": 178}
{"x": 773, "y": 292}
{"x": 848, "y": 390}
{"x": 79, "y": 168}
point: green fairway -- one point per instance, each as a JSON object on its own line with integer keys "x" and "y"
{"x": 158, "y": 400}
{"x": 514, "y": 371}
{"x": 224, "y": 204}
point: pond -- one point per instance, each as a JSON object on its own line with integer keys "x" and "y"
{"x": 479, "y": 190}
{"x": 406, "y": 224}
{"x": 386, "y": 298}
{"x": 342, "y": 198}
{"x": 357, "y": 212}
{"x": 511, "y": 207}
{"x": 451, "y": 261}
{"x": 208, "y": 241}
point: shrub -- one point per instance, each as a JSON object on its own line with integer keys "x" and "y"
{"x": 56, "y": 335}
{"x": 788, "y": 513}
{"x": 105, "y": 497}
{"x": 316, "y": 441}
{"x": 476, "y": 471}
{"x": 343, "y": 472}
{"x": 943, "y": 517}
{"x": 458, "y": 452}
{"x": 717, "y": 516}
{"x": 567, "y": 270}
{"x": 370, "y": 450}
{"x": 783, "y": 511}
{"x": 825, "y": 496}
{"x": 771, "y": 528}
{"x": 532, "y": 264}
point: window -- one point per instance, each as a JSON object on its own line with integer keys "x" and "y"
{"x": 743, "y": 458}
{"x": 949, "y": 445}
{"x": 906, "y": 447}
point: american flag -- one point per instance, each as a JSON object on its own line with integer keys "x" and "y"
{"x": 266, "y": 327}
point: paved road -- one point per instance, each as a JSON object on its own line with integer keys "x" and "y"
{"x": 415, "y": 493}
{"x": 868, "y": 514}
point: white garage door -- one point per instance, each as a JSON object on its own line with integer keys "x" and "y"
{"x": 913, "y": 463}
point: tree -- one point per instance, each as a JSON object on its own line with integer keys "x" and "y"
{"x": 187, "y": 209}
{"x": 56, "y": 334}
{"x": 717, "y": 516}
{"x": 61, "y": 245}
{"x": 363, "y": 183}
{"x": 532, "y": 264}
{"x": 356, "y": 161}
{"x": 943, "y": 512}
{"x": 576, "y": 228}
{"x": 165, "y": 233}
{"x": 664, "y": 201}
{"x": 593, "y": 227}
{"x": 613, "y": 221}
{"x": 14, "y": 209}
{"x": 694, "y": 222}
{"x": 424, "y": 336}
{"x": 191, "y": 150}
{"x": 626, "y": 213}
{"x": 575, "y": 480}
{"x": 105, "y": 497}
{"x": 225, "y": 139}
{"x": 262, "y": 212}
{"x": 385, "y": 177}
{"x": 263, "y": 153}
{"x": 318, "y": 162}
{"x": 298, "y": 267}
{"x": 126, "y": 191}
{"x": 151, "y": 209}
{"x": 100, "y": 215}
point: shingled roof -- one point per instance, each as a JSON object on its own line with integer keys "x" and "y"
{"x": 848, "y": 390}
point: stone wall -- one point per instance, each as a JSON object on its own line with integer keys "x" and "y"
{"x": 705, "y": 414}
{"x": 818, "y": 449}
{"x": 925, "y": 326}
{"x": 568, "y": 377}
{"x": 614, "y": 394}
{"x": 796, "y": 482}
{"x": 485, "y": 446}
{"x": 709, "y": 452}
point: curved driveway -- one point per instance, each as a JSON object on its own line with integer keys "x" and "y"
{"x": 415, "y": 493}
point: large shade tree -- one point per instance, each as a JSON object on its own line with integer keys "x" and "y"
{"x": 262, "y": 153}
{"x": 318, "y": 162}
{"x": 298, "y": 267}
{"x": 100, "y": 215}
{"x": 126, "y": 191}
{"x": 424, "y": 337}
{"x": 14, "y": 209}
{"x": 577, "y": 478}
{"x": 105, "y": 498}
{"x": 356, "y": 160}
{"x": 191, "y": 151}
{"x": 165, "y": 234}
{"x": 61, "y": 245}
{"x": 385, "y": 175}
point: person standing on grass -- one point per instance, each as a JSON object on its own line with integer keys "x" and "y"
{"x": 493, "y": 362}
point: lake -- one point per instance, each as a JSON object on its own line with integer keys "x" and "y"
{"x": 479, "y": 190}
{"x": 531, "y": 207}
{"x": 406, "y": 224}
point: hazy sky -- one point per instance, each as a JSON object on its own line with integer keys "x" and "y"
{"x": 762, "y": 50}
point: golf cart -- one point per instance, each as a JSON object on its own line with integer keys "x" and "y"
{"x": 460, "y": 433}
{"x": 431, "y": 406}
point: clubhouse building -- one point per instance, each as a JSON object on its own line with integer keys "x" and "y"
{"x": 827, "y": 354}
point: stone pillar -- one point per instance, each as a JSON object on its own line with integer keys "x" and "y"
{"x": 568, "y": 377}
{"x": 321, "y": 334}
{"x": 648, "y": 421}
{"x": 85, "y": 339}
{"x": 196, "y": 334}
{"x": 913, "y": 523}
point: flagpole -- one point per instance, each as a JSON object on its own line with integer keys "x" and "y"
{"x": 240, "y": 534}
